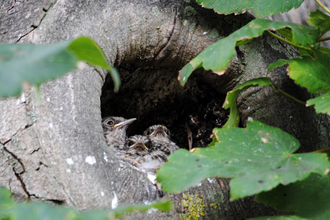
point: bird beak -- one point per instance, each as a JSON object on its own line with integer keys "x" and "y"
{"x": 160, "y": 130}
{"x": 139, "y": 144}
{"x": 124, "y": 123}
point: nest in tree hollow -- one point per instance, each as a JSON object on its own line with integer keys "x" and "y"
{"x": 155, "y": 96}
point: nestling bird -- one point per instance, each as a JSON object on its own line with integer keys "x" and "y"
{"x": 159, "y": 136}
{"x": 140, "y": 155}
{"x": 137, "y": 145}
{"x": 114, "y": 129}
{"x": 161, "y": 148}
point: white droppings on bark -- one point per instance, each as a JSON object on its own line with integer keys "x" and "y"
{"x": 68, "y": 171}
{"x": 23, "y": 98}
{"x": 102, "y": 193}
{"x": 105, "y": 157}
{"x": 69, "y": 161}
{"x": 114, "y": 202}
{"x": 90, "y": 159}
{"x": 51, "y": 125}
{"x": 210, "y": 180}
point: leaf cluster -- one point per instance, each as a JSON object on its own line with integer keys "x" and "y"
{"x": 35, "y": 64}
{"x": 260, "y": 159}
{"x": 11, "y": 210}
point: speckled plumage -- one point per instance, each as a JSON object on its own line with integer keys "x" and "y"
{"x": 138, "y": 145}
{"x": 159, "y": 136}
{"x": 141, "y": 155}
{"x": 114, "y": 129}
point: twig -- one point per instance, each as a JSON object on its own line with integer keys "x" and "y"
{"x": 288, "y": 42}
{"x": 290, "y": 96}
{"x": 323, "y": 6}
{"x": 322, "y": 150}
{"x": 190, "y": 138}
{"x": 221, "y": 183}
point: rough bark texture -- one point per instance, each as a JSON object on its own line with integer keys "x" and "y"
{"x": 55, "y": 150}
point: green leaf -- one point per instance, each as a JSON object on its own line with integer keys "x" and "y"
{"x": 218, "y": 55}
{"x": 261, "y": 8}
{"x": 310, "y": 72}
{"x": 309, "y": 198}
{"x": 279, "y": 63}
{"x": 286, "y": 217}
{"x": 324, "y": 50}
{"x": 258, "y": 158}
{"x": 230, "y": 101}
{"x": 13, "y": 211}
{"x": 5, "y": 202}
{"x": 322, "y": 103}
{"x": 36, "y": 64}
{"x": 33, "y": 64}
{"x": 319, "y": 20}
{"x": 164, "y": 206}
{"x": 186, "y": 72}
{"x": 85, "y": 49}
{"x": 286, "y": 32}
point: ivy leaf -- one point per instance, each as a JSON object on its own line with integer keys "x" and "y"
{"x": 218, "y": 55}
{"x": 231, "y": 98}
{"x": 320, "y": 20}
{"x": 309, "y": 198}
{"x": 258, "y": 158}
{"x": 36, "y": 64}
{"x": 9, "y": 209}
{"x": 261, "y": 8}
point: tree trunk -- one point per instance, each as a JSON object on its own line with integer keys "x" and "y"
{"x": 54, "y": 150}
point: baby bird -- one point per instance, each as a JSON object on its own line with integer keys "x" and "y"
{"x": 138, "y": 146}
{"x": 114, "y": 129}
{"x": 159, "y": 136}
{"x": 139, "y": 155}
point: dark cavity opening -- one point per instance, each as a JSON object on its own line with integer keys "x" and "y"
{"x": 154, "y": 96}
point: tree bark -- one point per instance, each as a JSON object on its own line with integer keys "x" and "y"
{"x": 54, "y": 150}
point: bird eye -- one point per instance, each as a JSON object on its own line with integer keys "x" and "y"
{"x": 110, "y": 123}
